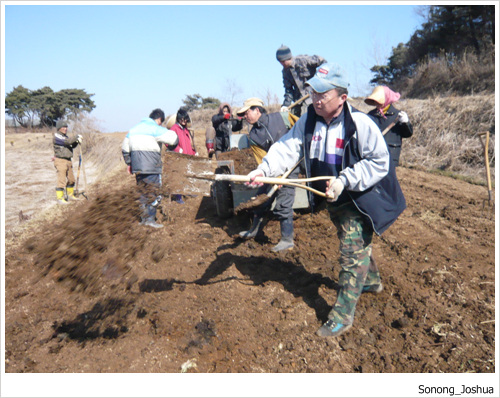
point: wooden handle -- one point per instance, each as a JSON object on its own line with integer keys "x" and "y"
{"x": 284, "y": 176}
{"x": 268, "y": 180}
{"x": 487, "y": 161}
{"x": 390, "y": 126}
{"x": 298, "y": 101}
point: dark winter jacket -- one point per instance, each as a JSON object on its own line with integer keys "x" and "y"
{"x": 394, "y": 137}
{"x": 224, "y": 127}
{"x": 365, "y": 167}
{"x": 267, "y": 130}
{"x": 383, "y": 202}
{"x": 64, "y": 144}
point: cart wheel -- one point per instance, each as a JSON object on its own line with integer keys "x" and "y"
{"x": 223, "y": 195}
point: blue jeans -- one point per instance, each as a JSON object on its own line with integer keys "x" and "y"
{"x": 150, "y": 198}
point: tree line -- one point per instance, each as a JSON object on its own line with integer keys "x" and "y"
{"x": 448, "y": 31}
{"x": 45, "y": 106}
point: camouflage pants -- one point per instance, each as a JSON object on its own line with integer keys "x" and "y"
{"x": 358, "y": 269}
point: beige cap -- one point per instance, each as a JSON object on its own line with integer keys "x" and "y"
{"x": 249, "y": 103}
{"x": 377, "y": 97}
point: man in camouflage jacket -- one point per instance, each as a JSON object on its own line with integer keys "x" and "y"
{"x": 296, "y": 71}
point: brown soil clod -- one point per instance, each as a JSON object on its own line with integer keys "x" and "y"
{"x": 254, "y": 202}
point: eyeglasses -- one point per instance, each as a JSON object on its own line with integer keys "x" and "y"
{"x": 323, "y": 97}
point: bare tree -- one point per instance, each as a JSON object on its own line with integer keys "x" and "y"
{"x": 232, "y": 91}
{"x": 269, "y": 97}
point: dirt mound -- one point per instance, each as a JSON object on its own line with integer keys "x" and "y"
{"x": 244, "y": 160}
{"x": 233, "y": 306}
{"x": 91, "y": 290}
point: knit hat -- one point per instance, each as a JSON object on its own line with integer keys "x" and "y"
{"x": 328, "y": 77}
{"x": 283, "y": 53}
{"x": 249, "y": 103}
{"x": 60, "y": 124}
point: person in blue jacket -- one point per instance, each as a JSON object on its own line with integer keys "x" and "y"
{"x": 364, "y": 196}
{"x": 141, "y": 151}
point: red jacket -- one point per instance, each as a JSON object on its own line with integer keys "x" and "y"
{"x": 184, "y": 140}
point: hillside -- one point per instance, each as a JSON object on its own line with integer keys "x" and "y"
{"x": 90, "y": 290}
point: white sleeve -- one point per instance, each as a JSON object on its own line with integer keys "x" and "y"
{"x": 375, "y": 161}
{"x": 284, "y": 153}
{"x": 168, "y": 137}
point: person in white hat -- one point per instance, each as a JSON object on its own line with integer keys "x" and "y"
{"x": 385, "y": 114}
{"x": 268, "y": 128}
{"x": 296, "y": 71}
{"x": 364, "y": 196}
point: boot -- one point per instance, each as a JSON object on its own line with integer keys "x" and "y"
{"x": 286, "y": 242}
{"x": 254, "y": 229}
{"x": 71, "y": 193}
{"x": 149, "y": 217}
{"x": 60, "y": 196}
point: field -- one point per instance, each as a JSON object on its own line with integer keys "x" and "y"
{"x": 89, "y": 290}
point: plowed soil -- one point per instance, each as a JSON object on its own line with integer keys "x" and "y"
{"x": 94, "y": 291}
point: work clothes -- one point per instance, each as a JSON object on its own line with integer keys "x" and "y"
{"x": 224, "y": 128}
{"x": 185, "y": 144}
{"x": 356, "y": 266}
{"x": 149, "y": 188}
{"x": 302, "y": 69}
{"x": 285, "y": 196}
{"x": 264, "y": 133}
{"x": 268, "y": 129}
{"x": 64, "y": 145}
{"x": 141, "y": 148}
{"x": 394, "y": 137}
{"x": 352, "y": 148}
{"x": 360, "y": 159}
{"x": 63, "y": 154}
{"x": 65, "y": 175}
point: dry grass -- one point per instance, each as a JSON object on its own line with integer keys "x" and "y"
{"x": 447, "y": 75}
{"x": 98, "y": 148}
{"x": 445, "y": 134}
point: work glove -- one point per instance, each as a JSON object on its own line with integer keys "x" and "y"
{"x": 402, "y": 117}
{"x": 79, "y": 139}
{"x": 252, "y": 175}
{"x": 284, "y": 109}
{"x": 334, "y": 188}
{"x": 129, "y": 169}
{"x": 227, "y": 116}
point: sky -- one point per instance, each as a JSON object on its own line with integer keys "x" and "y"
{"x": 135, "y": 57}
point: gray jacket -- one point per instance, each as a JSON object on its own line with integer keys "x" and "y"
{"x": 303, "y": 68}
{"x": 374, "y": 165}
